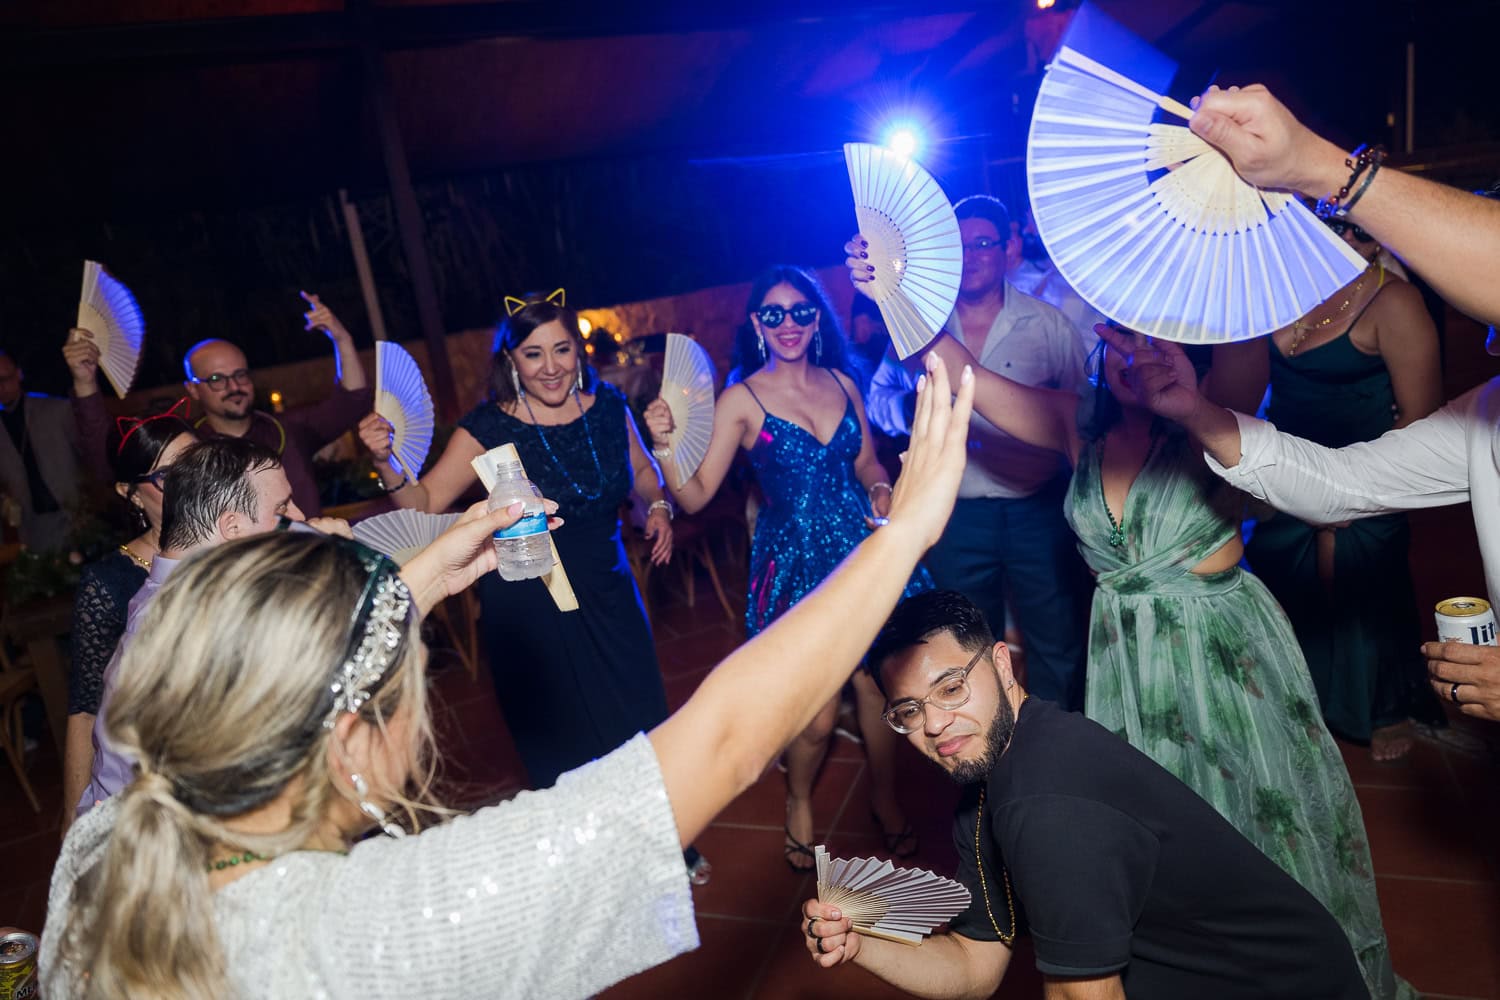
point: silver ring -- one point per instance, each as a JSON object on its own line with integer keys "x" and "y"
{"x": 1453, "y": 695}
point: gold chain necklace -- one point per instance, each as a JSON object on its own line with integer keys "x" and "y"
{"x": 143, "y": 564}
{"x": 984, "y": 889}
{"x": 1304, "y": 330}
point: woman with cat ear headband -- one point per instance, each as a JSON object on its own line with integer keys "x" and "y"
{"x": 234, "y": 851}
{"x": 595, "y": 668}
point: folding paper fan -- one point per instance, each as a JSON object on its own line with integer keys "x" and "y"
{"x": 108, "y": 311}
{"x": 898, "y": 904}
{"x": 914, "y": 243}
{"x": 687, "y": 385}
{"x": 401, "y": 397}
{"x": 1151, "y": 224}
{"x": 402, "y": 533}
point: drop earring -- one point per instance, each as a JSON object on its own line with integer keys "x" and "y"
{"x": 515, "y": 380}
{"x": 370, "y": 809}
{"x": 761, "y": 343}
{"x": 817, "y": 347}
{"x": 580, "y": 378}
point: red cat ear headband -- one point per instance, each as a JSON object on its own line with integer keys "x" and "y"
{"x": 129, "y": 425}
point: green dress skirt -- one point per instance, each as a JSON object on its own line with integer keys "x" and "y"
{"x": 1204, "y": 674}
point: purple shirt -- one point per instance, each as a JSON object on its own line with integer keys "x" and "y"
{"x": 111, "y": 770}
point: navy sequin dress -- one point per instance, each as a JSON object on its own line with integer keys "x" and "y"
{"x": 814, "y": 514}
{"x": 572, "y": 686}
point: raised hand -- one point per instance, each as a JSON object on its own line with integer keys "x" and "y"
{"x": 375, "y": 434}
{"x": 1158, "y": 370}
{"x": 857, "y": 260}
{"x": 659, "y": 422}
{"x": 320, "y": 317}
{"x": 934, "y": 464}
{"x": 82, "y": 356}
{"x": 1268, "y": 146}
{"x": 827, "y": 934}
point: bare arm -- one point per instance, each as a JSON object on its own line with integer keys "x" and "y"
{"x": 945, "y": 966}
{"x": 732, "y": 413}
{"x": 78, "y": 758}
{"x": 650, "y": 487}
{"x": 1042, "y": 417}
{"x": 351, "y": 370}
{"x": 767, "y": 691}
{"x": 867, "y": 468}
{"x": 1239, "y": 375}
{"x": 443, "y": 484}
{"x": 1450, "y": 237}
{"x": 1408, "y": 345}
{"x": 1104, "y": 988}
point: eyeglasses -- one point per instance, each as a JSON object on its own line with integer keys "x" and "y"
{"x": 218, "y": 382}
{"x": 951, "y": 691}
{"x": 1342, "y": 226}
{"x": 156, "y": 477}
{"x": 771, "y": 316}
{"x": 982, "y": 244}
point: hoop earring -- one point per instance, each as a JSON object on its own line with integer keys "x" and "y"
{"x": 761, "y": 343}
{"x": 370, "y": 809}
{"x": 515, "y": 380}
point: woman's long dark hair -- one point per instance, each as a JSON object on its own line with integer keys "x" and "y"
{"x": 834, "y": 349}
{"x": 512, "y": 333}
{"x": 1106, "y": 411}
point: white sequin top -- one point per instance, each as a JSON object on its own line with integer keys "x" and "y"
{"x": 557, "y": 893}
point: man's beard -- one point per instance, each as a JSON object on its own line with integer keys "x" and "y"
{"x": 966, "y": 772}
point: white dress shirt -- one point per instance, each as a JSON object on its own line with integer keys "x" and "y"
{"x": 1446, "y": 458}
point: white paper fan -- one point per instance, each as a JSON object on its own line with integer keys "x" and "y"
{"x": 1151, "y": 224}
{"x": 108, "y": 311}
{"x": 898, "y": 904}
{"x": 401, "y": 397}
{"x": 914, "y": 243}
{"x": 687, "y": 385}
{"x": 402, "y": 533}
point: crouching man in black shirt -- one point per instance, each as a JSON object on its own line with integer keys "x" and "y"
{"x": 1129, "y": 884}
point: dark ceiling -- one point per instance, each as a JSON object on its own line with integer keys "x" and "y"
{"x": 245, "y": 101}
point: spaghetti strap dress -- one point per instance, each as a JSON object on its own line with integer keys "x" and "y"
{"x": 1203, "y": 674}
{"x": 814, "y": 514}
{"x": 573, "y": 685}
{"x": 1360, "y": 632}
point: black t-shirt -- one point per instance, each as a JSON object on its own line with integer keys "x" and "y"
{"x": 1117, "y": 866}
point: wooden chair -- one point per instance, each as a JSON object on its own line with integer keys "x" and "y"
{"x": 15, "y": 684}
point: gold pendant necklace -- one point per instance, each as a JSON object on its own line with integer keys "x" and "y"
{"x": 1303, "y": 330}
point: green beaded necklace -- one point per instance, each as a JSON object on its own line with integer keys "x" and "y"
{"x": 1117, "y": 528}
{"x": 234, "y": 859}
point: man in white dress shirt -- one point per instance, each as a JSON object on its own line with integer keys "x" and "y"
{"x": 1007, "y": 533}
{"x": 1449, "y": 237}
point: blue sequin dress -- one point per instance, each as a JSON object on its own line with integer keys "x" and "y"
{"x": 814, "y": 514}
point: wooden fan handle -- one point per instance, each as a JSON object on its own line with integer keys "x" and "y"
{"x": 872, "y": 932}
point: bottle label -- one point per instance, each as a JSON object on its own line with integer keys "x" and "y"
{"x": 528, "y": 525}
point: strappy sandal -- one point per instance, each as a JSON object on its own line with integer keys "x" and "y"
{"x": 894, "y": 841}
{"x": 797, "y": 849}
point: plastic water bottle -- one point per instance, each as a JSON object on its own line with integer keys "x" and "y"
{"x": 525, "y": 548}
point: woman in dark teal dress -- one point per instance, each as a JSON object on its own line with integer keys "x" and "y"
{"x": 1360, "y": 364}
{"x": 798, "y": 413}
{"x": 573, "y": 685}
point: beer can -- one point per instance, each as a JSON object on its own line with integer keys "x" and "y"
{"x": 18, "y": 966}
{"x": 1466, "y": 619}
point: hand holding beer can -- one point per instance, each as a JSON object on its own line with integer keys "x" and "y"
{"x": 1466, "y": 619}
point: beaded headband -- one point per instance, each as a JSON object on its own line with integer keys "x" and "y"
{"x": 377, "y": 633}
{"x": 129, "y": 425}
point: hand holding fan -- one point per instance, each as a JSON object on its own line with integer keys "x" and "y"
{"x": 914, "y": 243}
{"x": 881, "y": 900}
{"x": 401, "y": 397}
{"x": 107, "y": 310}
{"x": 1151, "y": 224}
{"x": 687, "y": 387}
{"x": 402, "y": 533}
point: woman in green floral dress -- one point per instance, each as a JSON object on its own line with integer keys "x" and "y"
{"x": 1190, "y": 658}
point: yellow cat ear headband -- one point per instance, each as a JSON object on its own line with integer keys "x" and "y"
{"x": 559, "y": 297}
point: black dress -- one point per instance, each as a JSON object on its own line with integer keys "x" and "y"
{"x": 572, "y": 686}
{"x": 99, "y": 610}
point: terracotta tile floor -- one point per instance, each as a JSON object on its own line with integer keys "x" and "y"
{"x": 1433, "y": 821}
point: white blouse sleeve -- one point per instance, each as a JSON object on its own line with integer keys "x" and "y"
{"x": 557, "y": 893}
{"x": 1424, "y": 464}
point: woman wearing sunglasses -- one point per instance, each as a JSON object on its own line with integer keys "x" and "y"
{"x": 1360, "y": 364}
{"x": 140, "y": 452}
{"x": 797, "y": 412}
